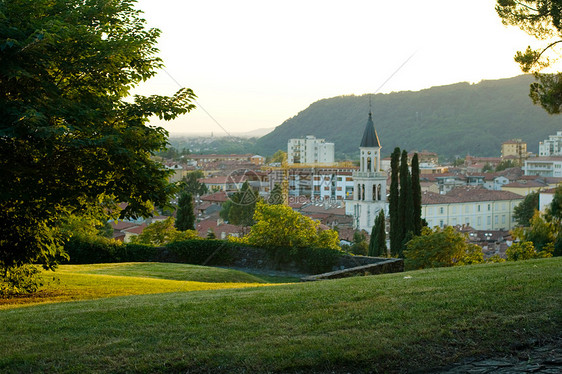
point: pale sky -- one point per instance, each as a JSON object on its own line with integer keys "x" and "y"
{"x": 255, "y": 63}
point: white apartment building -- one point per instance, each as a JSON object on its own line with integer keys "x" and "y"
{"x": 545, "y": 166}
{"x": 310, "y": 151}
{"x": 479, "y": 208}
{"x": 551, "y": 146}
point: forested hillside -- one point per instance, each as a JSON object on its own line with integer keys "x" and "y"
{"x": 451, "y": 120}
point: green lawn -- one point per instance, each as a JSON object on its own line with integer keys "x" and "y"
{"x": 397, "y": 322}
{"x": 82, "y": 282}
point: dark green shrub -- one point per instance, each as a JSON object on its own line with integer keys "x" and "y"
{"x": 136, "y": 253}
{"x": 91, "y": 250}
{"x": 198, "y": 252}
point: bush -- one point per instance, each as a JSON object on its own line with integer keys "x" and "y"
{"x": 19, "y": 280}
{"x": 526, "y": 251}
{"x": 136, "y": 253}
{"x": 92, "y": 250}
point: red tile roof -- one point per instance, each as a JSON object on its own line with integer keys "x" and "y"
{"x": 467, "y": 194}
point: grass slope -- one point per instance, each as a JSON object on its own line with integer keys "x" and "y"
{"x": 82, "y": 282}
{"x": 396, "y": 322}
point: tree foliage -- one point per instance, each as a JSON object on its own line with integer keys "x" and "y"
{"x": 276, "y": 195}
{"x": 185, "y": 217}
{"x": 526, "y": 209}
{"x": 377, "y": 244}
{"x": 440, "y": 248}
{"x": 281, "y": 226}
{"x": 525, "y": 250}
{"x": 163, "y": 232}
{"x": 541, "y": 19}
{"x": 393, "y": 204}
{"x": 242, "y": 206}
{"x": 69, "y": 141}
{"x": 190, "y": 183}
{"x": 416, "y": 195}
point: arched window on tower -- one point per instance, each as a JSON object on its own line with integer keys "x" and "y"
{"x": 379, "y": 192}
{"x": 369, "y": 165}
{"x": 362, "y": 192}
{"x": 374, "y": 192}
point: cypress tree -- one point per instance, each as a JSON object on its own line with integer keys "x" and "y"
{"x": 373, "y": 240}
{"x": 393, "y": 204}
{"x": 416, "y": 195}
{"x": 185, "y": 218}
{"x": 409, "y": 224}
{"x": 380, "y": 243}
{"x": 403, "y": 199}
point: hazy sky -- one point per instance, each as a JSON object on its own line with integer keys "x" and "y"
{"x": 255, "y": 63}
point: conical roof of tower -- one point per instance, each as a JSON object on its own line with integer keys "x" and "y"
{"x": 370, "y": 138}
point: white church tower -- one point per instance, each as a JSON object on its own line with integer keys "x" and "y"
{"x": 369, "y": 182}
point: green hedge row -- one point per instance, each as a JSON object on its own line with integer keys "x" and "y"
{"x": 197, "y": 252}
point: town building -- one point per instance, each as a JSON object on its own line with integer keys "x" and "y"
{"x": 310, "y": 150}
{"x": 545, "y": 166}
{"x": 369, "y": 182}
{"x": 514, "y": 149}
{"x": 551, "y": 146}
{"x": 477, "y": 207}
{"x": 317, "y": 183}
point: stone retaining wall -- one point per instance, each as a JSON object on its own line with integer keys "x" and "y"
{"x": 394, "y": 265}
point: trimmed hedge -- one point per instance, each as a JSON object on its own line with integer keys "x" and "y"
{"x": 199, "y": 252}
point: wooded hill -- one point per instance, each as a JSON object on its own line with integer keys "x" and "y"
{"x": 457, "y": 119}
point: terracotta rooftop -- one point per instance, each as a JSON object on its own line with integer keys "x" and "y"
{"x": 217, "y": 197}
{"x": 465, "y": 195}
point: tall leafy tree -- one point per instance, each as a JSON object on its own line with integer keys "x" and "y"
{"x": 71, "y": 137}
{"x": 190, "y": 183}
{"x": 185, "y": 217}
{"x": 543, "y": 20}
{"x": 393, "y": 204}
{"x": 281, "y": 226}
{"x": 276, "y": 195}
{"x": 416, "y": 195}
{"x": 242, "y": 206}
{"x": 526, "y": 209}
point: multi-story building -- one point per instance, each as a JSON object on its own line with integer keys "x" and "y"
{"x": 310, "y": 150}
{"x": 477, "y": 207}
{"x": 320, "y": 183}
{"x": 546, "y": 166}
{"x": 551, "y": 146}
{"x": 514, "y": 148}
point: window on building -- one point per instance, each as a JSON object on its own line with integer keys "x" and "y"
{"x": 441, "y": 223}
{"x": 479, "y": 221}
{"x": 489, "y": 207}
{"x": 488, "y": 220}
{"x": 478, "y": 207}
{"x": 503, "y": 218}
{"x": 467, "y": 209}
{"x": 441, "y": 210}
{"x": 496, "y": 219}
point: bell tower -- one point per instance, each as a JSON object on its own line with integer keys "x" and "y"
{"x": 369, "y": 182}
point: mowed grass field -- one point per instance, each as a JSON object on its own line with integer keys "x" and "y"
{"x": 82, "y": 282}
{"x": 402, "y": 322}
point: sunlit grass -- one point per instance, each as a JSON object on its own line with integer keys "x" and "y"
{"x": 82, "y": 282}
{"x": 405, "y": 322}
